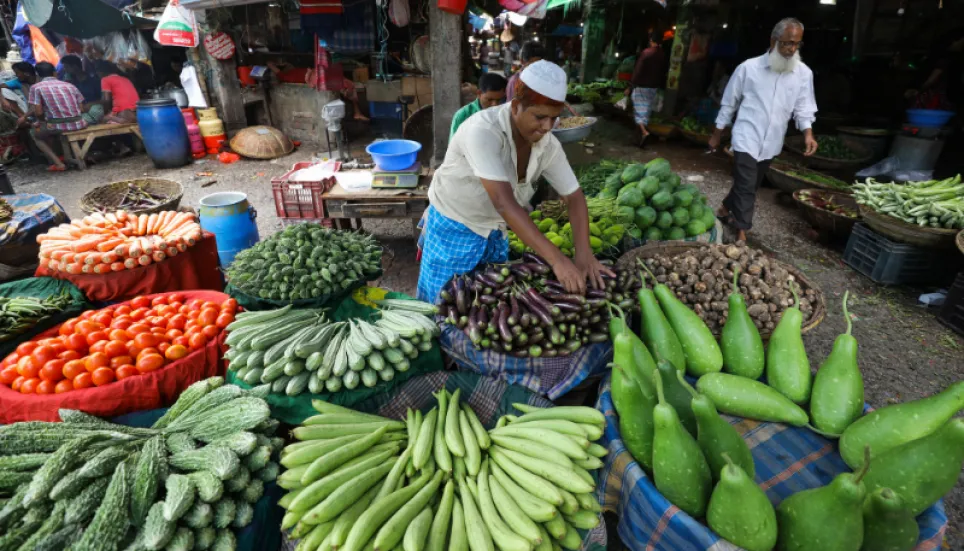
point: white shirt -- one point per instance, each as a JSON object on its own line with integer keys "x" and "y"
{"x": 483, "y": 148}
{"x": 766, "y": 100}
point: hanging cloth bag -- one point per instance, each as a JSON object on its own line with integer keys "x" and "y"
{"x": 177, "y": 27}
{"x": 398, "y": 12}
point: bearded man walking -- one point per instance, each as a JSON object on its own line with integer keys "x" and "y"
{"x": 764, "y": 92}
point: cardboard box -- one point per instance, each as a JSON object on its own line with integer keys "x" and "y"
{"x": 360, "y": 74}
{"x": 384, "y": 91}
{"x": 420, "y": 88}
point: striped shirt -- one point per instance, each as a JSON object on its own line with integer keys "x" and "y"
{"x": 59, "y": 100}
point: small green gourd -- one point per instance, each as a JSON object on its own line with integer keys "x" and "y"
{"x": 923, "y": 470}
{"x": 744, "y": 397}
{"x": 740, "y": 511}
{"x": 740, "y": 340}
{"x": 787, "y": 366}
{"x": 656, "y": 331}
{"x": 680, "y": 471}
{"x": 829, "y": 518}
{"x": 888, "y": 525}
{"x": 891, "y": 426}
{"x": 717, "y": 437}
{"x": 634, "y": 405}
{"x": 677, "y": 396}
{"x": 837, "y": 399}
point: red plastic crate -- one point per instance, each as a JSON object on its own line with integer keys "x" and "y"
{"x": 300, "y": 199}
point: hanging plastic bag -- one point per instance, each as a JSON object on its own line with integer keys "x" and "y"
{"x": 177, "y": 27}
{"x": 398, "y": 12}
{"x": 623, "y": 103}
{"x": 138, "y": 48}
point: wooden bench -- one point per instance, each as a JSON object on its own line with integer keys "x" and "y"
{"x": 76, "y": 152}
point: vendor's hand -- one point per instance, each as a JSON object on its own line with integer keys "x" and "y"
{"x": 592, "y": 270}
{"x": 571, "y": 277}
{"x": 627, "y": 92}
{"x": 811, "y": 144}
{"x": 715, "y": 139}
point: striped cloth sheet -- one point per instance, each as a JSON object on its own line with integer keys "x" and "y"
{"x": 788, "y": 460}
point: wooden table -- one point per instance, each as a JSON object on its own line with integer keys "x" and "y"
{"x": 343, "y": 207}
{"x": 71, "y": 140}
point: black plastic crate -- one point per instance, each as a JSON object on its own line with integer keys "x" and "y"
{"x": 952, "y": 313}
{"x": 892, "y": 263}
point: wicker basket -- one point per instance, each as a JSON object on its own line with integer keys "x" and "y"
{"x": 693, "y": 137}
{"x": 110, "y": 197}
{"x": 663, "y": 129}
{"x": 673, "y": 248}
{"x": 922, "y": 236}
{"x": 795, "y": 145}
{"x": 779, "y": 176}
{"x": 835, "y": 225}
{"x": 960, "y": 241}
{"x": 261, "y": 142}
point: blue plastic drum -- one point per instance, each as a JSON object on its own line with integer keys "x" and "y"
{"x": 164, "y": 132}
{"x": 230, "y": 217}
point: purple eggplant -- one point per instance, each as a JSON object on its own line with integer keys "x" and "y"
{"x": 488, "y": 300}
{"x": 514, "y": 313}
{"x": 452, "y": 317}
{"x": 503, "y": 325}
{"x": 598, "y": 337}
{"x": 461, "y": 297}
{"x": 534, "y": 258}
{"x": 521, "y": 271}
{"x": 525, "y": 320}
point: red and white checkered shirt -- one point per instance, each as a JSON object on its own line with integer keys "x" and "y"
{"x": 59, "y": 100}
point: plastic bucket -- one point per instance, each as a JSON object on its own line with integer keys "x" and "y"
{"x": 929, "y": 118}
{"x": 230, "y": 217}
{"x": 395, "y": 155}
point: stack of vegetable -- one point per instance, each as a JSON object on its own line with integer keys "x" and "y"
{"x": 298, "y": 350}
{"x": 441, "y": 481}
{"x": 19, "y": 314}
{"x": 660, "y": 207}
{"x": 111, "y": 242}
{"x": 124, "y": 340}
{"x": 700, "y": 278}
{"x": 605, "y": 235}
{"x": 813, "y": 176}
{"x": 832, "y": 147}
{"x": 933, "y": 203}
{"x": 694, "y": 126}
{"x": 592, "y": 177}
{"x": 908, "y": 455}
{"x": 186, "y": 483}
{"x": 517, "y": 309}
{"x": 305, "y": 261}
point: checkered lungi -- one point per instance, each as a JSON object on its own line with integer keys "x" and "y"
{"x": 450, "y": 248}
{"x": 643, "y": 100}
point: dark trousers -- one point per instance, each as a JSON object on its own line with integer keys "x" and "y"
{"x": 748, "y": 174}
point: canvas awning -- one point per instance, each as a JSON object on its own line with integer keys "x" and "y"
{"x": 81, "y": 18}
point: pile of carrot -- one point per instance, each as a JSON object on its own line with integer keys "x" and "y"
{"x": 111, "y": 242}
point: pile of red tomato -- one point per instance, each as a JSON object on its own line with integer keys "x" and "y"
{"x": 125, "y": 340}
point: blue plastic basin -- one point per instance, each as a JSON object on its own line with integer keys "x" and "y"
{"x": 928, "y": 117}
{"x": 392, "y": 155}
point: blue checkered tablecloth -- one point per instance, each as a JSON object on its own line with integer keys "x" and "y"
{"x": 788, "y": 460}
{"x": 33, "y": 214}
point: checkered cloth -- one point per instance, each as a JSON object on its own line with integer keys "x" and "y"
{"x": 551, "y": 377}
{"x": 33, "y": 214}
{"x": 59, "y": 100}
{"x": 451, "y": 249}
{"x": 788, "y": 460}
{"x": 489, "y": 399}
{"x": 643, "y": 100}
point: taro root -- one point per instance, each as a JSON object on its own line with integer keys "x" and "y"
{"x": 757, "y": 310}
{"x": 661, "y": 278}
{"x": 699, "y": 287}
{"x": 732, "y": 252}
{"x": 769, "y": 326}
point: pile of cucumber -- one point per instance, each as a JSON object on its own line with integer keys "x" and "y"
{"x": 297, "y": 350}
{"x": 437, "y": 482}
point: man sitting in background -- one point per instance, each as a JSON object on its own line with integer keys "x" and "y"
{"x": 491, "y": 93}
{"x": 55, "y": 108}
{"x": 119, "y": 95}
{"x": 24, "y": 77}
{"x": 89, "y": 87}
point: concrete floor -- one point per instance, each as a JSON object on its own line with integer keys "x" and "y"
{"x": 905, "y": 353}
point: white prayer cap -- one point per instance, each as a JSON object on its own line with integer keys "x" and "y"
{"x": 546, "y": 78}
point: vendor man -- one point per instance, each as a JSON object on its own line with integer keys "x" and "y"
{"x": 764, "y": 92}
{"x": 489, "y": 172}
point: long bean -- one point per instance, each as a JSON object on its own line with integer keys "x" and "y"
{"x": 933, "y": 203}
{"x": 19, "y": 314}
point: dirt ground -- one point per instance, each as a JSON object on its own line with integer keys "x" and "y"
{"x": 905, "y": 353}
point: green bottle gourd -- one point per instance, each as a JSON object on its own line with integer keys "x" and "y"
{"x": 740, "y": 511}
{"x": 735, "y": 395}
{"x": 656, "y": 331}
{"x": 700, "y": 348}
{"x": 888, "y": 525}
{"x": 643, "y": 365}
{"x": 680, "y": 471}
{"x": 740, "y": 341}
{"x": 677, "y": 396}
{"x": 787, "y": 366}
{"x": 891, "y": 426}
{"x": 921, "y": 471}
{"x": 837, "y": 399}
{"x": 829, "y": 518}
{"x": 717, "y": 437}
{"x": 634, "y": 399}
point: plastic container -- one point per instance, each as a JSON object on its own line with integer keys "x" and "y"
{"x": 952, "y": 313}
{"x": 385, "y": 110}
{"x": 892, "y": 263}
{"x": 230, "y": 217}
{"x": 189, "y": 115}
{"x": 244, "y": 75}
{"x": 207, "y": 114}
{"x": 394, "y": 154}
{"x": 197, "y": 142}
{"x": 299, "y": 200}
{"x": 212, "y": 144}
{"x": 164, "y": 131}
{"x": 453, "y": 6}
{"x": 211, "y": 127}
{"x": 929, "y": 118}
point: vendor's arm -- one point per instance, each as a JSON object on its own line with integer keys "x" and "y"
{"x": 107, "y": 100}
{"x": 804, "y": 113}
{"x": 728, "y": 105}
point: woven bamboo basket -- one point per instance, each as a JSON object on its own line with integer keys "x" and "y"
{"x": 795, "y": 145}
{"x": 960, "y": 241}
{"x": 663, "y": 129}
{"x": 261, "y": 142}
{"x": 110, "y": 197}
{"x": 922, "y": 236}
{"x": 673, "y": 248}
{"x": 835, "y": 225}
{"x": 779, "y": 175}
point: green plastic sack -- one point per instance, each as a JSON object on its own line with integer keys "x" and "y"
{"x": 295, "y": 409}
{"x": 42, "y": 287}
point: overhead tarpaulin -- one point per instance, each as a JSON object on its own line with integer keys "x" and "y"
{"x": 81, "y": 18}
{"x": 567, "y": 30}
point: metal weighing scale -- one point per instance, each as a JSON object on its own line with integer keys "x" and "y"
{"x": 398, "y": 179}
